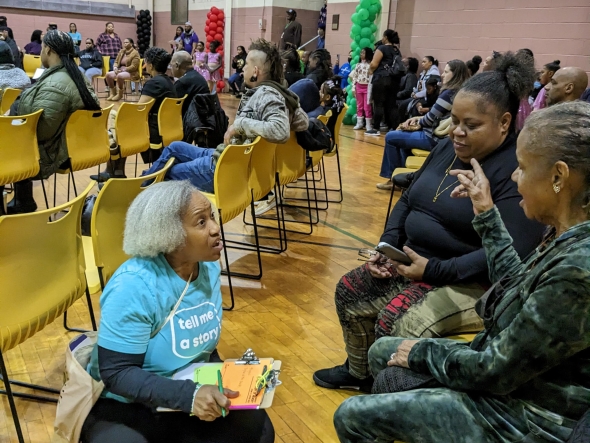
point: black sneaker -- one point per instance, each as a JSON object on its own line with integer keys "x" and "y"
{"x": 338, "y": 377}
{"x": 104, "y": 176}
{"x": 372, "y": 132}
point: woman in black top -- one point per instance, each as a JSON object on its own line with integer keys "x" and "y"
{"x": 158, "y": 87}
{"x": 410, "y": 80}
{"x": 90, "y": 61}
{"x": 238, "y": 63}
{"x": 435, "y": 296}
{"x": 292, "y": 66}
{"x": 385, "y": 86}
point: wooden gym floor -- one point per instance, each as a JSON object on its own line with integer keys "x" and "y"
{"x": 288, "y": 315}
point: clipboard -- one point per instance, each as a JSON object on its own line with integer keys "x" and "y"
{"x": 206, "y": 373}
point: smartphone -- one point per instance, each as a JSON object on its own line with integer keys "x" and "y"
{"x": 393, "y": 253}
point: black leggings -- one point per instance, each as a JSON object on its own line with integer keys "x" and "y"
{"x": 111, "y": 421}
{"x": 384, "y": 100}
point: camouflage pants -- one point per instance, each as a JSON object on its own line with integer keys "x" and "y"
{"x": 439, "y": 415}
{"x": 369, "y": 308}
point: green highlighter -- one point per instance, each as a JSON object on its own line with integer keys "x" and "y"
{"x": 220, "y": 384}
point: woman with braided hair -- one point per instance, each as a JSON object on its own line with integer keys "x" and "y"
{"x": 60, "y": 91}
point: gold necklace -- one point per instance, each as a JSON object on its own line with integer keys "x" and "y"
{"x": 438, "y": 191}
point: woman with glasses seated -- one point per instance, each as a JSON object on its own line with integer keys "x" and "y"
{"x": 435, "y": 295}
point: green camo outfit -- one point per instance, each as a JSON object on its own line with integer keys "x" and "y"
{"x": 525, "y": 378}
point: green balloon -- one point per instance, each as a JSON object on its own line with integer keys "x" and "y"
{"x": 358, "y": 8}
{"x": 355, "y": 18}
{"x": 356, "y": 59}
{"x": 375, "y": 2}
{"x": 373, "y": 9}
{"x": 363, "y": 14}
{"x": 348, "y": 120}
{"x": 354, "y": 45}
{"x": 365, "y": 43}
{"x": 357, "y": 38}
{"x": 366, "y": 32}
{"x": 356, "y": 29}
{"x": 372, "y": 16}
{"x": 365, "y": 23}
{"x": 373, "y": 28}
{"x": 365, "y": 4}
{"x": 378, "y": 7}
{"x": 352, "y": 35}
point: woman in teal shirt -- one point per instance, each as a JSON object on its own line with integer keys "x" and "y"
{"x": 76, "y": 36}
{"x": 147, "y": 330}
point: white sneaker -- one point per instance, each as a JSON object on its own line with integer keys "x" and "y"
{"x": 360, "y": 123}
{"x": 265, "y": 206}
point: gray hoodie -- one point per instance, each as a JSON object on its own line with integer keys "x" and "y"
{"x": 264, "y": 113}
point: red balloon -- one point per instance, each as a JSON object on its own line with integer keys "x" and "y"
{"x": 214, "y": 10}
{"x": 209, "y": 15}
{"x": 220, "y": 48}
{"x": 206, "y": 29}
{"x": 213, "y": 26}
{"x": 209, "y": 40}
{"x": 219, "y": 23}
{"x": 220, "y": 15}
{"x": 212, "y": 33}
{"x": 207, "y": 45}
{"x": 213, "y": 17}
{"x": 221, "y": 55}
{"x": 208, "y": 22}
{"x": 218, "y": 37}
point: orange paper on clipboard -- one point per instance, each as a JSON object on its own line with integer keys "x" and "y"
{"x": 243, "y": 378}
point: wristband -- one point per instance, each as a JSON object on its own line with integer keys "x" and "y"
{"x": 197, "y": 387}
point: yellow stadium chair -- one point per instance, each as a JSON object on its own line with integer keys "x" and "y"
{"x": 291, "y": 164}
{"x": 105, "y": 68}
{"x": 170, "y": 121}
{"x": 129, "y": 81}
{"x": 336, "y": 153}
{"x": 8, "y": 97}
{"x": 463, "y": 337}
{"x": 316, "y": 158}
{"x": 131, "y": 125}
{"x": 420, "y": 153}
{"x": 232, "y": 192}
{"x": 22, "y": 163}
{"x": 87, "y": 140}
{"x": 414, "y": 162}
{"x": 31, "y": 63}
{"x": 108, "y": 220}
{"x": 42, "y": 267}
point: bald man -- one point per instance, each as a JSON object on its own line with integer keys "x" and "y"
{"x": 566, "y": 85}
{"x": 189, "y": 82}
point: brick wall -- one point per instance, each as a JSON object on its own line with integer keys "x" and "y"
{"x": 448, "y": 29}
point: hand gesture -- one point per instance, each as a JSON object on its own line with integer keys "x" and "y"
{"x": 475, "y": 185}
{"x": 415, "y": 271}
{"x": 379, "y": 266}
{"x": 401, "y": 355}
{"x": 209, "y": 401}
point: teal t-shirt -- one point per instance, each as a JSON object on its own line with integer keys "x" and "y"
{"x": 138, "y": 299}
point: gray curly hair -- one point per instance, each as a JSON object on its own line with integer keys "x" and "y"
{"x": 154, "y": 220}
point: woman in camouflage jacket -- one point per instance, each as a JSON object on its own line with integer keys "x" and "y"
{"x": 526, "y": 377}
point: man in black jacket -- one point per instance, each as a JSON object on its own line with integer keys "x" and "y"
{"x": 291, "y": 36}
{"x": 90, "y": 61}
{"x": 190, "y": 82}
{"x": 5, "y": 35}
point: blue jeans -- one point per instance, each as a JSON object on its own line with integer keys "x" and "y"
{"x": 398, "y": 146}
{"x": 90, "y": 73}
{"x": 235, "y": 82}
{"x": 192, "y": 163}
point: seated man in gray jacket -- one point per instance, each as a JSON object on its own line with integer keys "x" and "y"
{"x": 267, "y": 109}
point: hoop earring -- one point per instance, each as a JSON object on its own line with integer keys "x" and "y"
{"x": 556, "y": 188}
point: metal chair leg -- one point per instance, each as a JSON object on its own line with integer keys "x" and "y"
{"x": 10, "y": 395}
{"x": 389, "y": 207}
{"x": 231, "y": 289}
{"x": 90, "y": 313}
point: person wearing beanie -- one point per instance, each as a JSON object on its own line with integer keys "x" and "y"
{"x": 10, "y": 75}
{"x": 188, "y": 39}
{"x": 291, "y": 36}
{"x": 309, "y": 96}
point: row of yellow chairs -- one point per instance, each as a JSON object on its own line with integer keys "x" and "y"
{"x": 86, "y": 137}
